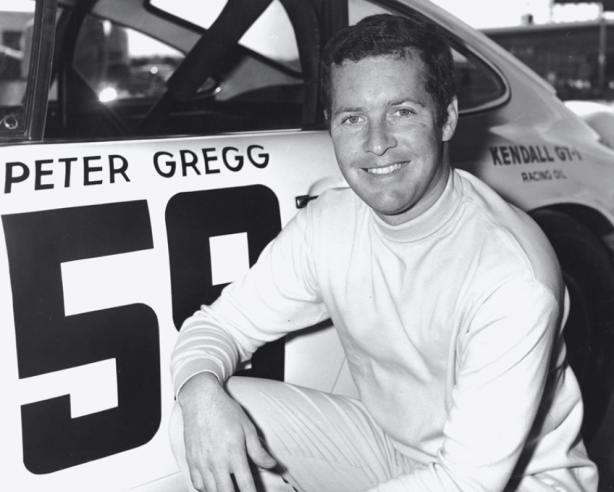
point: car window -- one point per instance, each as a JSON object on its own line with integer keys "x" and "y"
{"x": 479, "y": 84}
{"x": 267, "y": 76}
{"x": 120, "y": 63}
{"x": 258, "y": 86}
{"x": 271, "y": 35}
{"x": 16, "y": 27}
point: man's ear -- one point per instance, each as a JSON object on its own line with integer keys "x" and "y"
{"x": 327, "y": 120}
{"x": 450, "y": 125}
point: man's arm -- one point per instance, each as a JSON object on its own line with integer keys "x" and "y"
{"x": 503, "y": 362}
{"x": 278, "y": 295}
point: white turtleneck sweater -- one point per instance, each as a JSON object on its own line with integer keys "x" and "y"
{"x": 451, "y": 324}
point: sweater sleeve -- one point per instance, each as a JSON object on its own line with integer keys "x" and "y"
{"x": 277, "y": 296}
{"x": 501, "y": 371}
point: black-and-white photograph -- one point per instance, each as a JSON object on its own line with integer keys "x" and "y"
{"x": 307, "y": 245}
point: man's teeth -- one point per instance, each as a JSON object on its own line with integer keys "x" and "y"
{"x": 387, "y": 169}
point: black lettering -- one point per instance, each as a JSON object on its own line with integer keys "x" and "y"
{"x": 564, "y": 154}
{"x": 494, "y": 153}
{"x": 40, "y": 172}
{"x": 505, "y": 156}
{"x": 515, "y": 153}
{"x": 185, "y": 163}
{"x": 190, "y": 224}
{"x": 541, "y": 157}
{"x": 10, "y": 178}
{"x": 263, "y": 157}
{"x": 534, "y": 157}
{"x": 526, "y": 156}
{"x": 48, "y": 341}
{"x": 559, "y": 174}
{"x": 542, "y": 175}
{"x": 121, "y": 170}
{"x": 209, "y": 158}
{"x": 67, "y": 169}
{"x": 238, "y": 159}
{"x": 536, "y": 176}
{"x": 171, "y": 165}
{"x": 87, "y": 169}
{"x": 548, "y": 156}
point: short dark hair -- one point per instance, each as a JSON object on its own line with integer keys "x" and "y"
{"x": 394, "y": 35}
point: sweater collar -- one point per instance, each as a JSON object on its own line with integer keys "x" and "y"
{"x": 429, "y": 222}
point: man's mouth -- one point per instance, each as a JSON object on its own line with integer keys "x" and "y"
{"x": 393, "y": 168}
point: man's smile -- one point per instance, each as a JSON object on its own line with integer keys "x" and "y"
{"x": 392, "y": 168}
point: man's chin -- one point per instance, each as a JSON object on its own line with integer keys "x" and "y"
{"x": 392, "y": 215}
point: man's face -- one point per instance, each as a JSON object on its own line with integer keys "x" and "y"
{"x": 387, "y": 142}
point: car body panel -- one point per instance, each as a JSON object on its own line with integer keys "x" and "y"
{"x": 599, "y": 115}
{"x": 294, "y": 164}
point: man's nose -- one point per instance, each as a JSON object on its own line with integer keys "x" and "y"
{"x": 379, "y": 138}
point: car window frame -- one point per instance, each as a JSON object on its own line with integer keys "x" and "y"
{"x": 39, "y": 76}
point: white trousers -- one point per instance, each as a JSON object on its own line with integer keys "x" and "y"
{"x": 322, "y": 442}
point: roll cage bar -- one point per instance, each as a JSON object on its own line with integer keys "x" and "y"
{"x": 312, "y": 27}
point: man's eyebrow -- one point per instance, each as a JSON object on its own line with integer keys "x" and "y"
{"x": 358, "y": 109}
{"x": 406, "y": 100}
{"x": 345, "y": 109}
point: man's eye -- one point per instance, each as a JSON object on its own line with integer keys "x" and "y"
{"x": 351, "y": 120}
{"x": 404, "y": 112}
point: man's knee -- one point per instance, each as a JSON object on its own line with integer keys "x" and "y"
{"x": 247, "y": 390}
{"x": 262, "y": 399}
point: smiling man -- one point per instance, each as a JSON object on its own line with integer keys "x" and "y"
{"x": 388, "y": 141}
{"x": 448, "y": 301}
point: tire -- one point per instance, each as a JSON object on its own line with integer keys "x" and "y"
{"x": 589, "y": 333}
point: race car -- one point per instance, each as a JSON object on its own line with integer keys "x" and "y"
{"x": 150, "y": 150}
